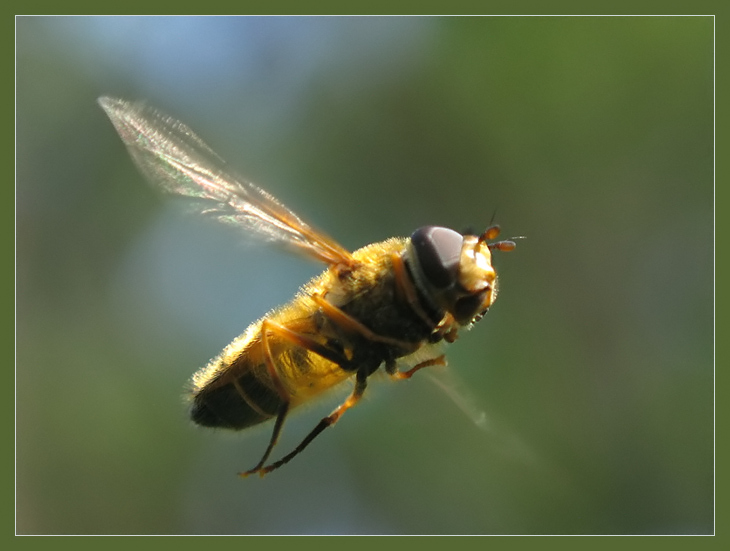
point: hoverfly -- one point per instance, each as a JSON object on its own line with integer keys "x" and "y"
{"x": 381, "y": 305}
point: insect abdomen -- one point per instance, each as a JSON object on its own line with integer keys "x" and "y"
{"x": 236, "y": 390}
{"x": 241, "y": 403}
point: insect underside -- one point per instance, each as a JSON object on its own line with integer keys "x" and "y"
{"x": 385, "y": 303}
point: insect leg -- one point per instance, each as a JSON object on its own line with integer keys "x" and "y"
{"x": 444, "y": 329}
{"x": 342, "y": 318}
{"x": 407, "y": 289}
{"x": 298, "y": 339}
{"x": 331, "y": 419}
{"x": 392, "y": 369}
{"x": 280, "y": 390}
{"x": 281, "y": 415}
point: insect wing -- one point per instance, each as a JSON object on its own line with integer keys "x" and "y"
{"x": 173, "y": 158}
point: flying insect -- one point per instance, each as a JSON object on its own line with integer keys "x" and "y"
{"x": 388, "y": 304}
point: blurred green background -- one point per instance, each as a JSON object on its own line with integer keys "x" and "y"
{"x": 592, "y": 137}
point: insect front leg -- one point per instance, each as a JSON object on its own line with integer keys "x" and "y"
{"x": 446, "y": 328}
{"x": 392, "y": 369}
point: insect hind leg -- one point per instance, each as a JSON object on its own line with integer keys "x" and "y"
{"x": 331, "y": 419}
{"x": 303, "y": 341}
{"x": 280, "y": 416}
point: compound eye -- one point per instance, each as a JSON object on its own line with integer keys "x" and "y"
{"x": 438, "y": 251}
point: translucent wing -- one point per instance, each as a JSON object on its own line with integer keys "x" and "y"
{"x": 172, "y": 157}
{"x": 507, "y": 441}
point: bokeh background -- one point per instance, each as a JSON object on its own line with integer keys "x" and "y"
{"x": 583, "y": 403}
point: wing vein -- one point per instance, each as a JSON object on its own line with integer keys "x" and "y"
{"x": 175, "y": 160}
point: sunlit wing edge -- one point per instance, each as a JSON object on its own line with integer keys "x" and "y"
{"x": 179, "y": 163}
